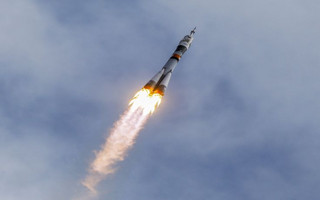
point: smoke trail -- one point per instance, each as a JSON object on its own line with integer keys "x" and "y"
{"x": 121, "y": 137}
{"x": 120, "y": 140}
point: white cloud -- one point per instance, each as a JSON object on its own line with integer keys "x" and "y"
{"x": 248, "y": 85}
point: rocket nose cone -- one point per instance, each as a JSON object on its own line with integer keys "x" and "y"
{"x": 193, "y": 31}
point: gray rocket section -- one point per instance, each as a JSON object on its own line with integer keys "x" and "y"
{"x": 153, "y": 82}
{"x": 160, "y": 81}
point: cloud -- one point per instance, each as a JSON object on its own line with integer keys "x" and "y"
{"x": 239, "y": 121}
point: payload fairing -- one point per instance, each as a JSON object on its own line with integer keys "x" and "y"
{"x": 160, "y": 81}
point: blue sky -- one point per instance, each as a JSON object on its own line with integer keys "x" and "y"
{"x": 240, "y": 119}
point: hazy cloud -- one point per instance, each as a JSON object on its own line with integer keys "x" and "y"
{"x": 240, "y": 119}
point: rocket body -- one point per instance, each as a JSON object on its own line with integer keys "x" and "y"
{"x": 160, "y": 81}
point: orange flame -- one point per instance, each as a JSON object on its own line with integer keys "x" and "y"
{"x": 146, "y": 100}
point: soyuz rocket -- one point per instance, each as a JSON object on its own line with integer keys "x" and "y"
{"x": 160, "y": 81}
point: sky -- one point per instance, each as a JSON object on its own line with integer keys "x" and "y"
{"x": 240, "y": 119}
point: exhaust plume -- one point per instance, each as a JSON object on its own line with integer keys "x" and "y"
{"x": 126, "y": 129}
{"x": 122, "y": 137}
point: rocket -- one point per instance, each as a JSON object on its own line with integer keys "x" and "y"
{"x": 160, "y": 81}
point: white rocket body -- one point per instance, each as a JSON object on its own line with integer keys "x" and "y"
{"x": 160, "y": 81}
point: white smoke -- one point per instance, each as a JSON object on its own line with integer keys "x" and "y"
{"x": 120, "y": 140}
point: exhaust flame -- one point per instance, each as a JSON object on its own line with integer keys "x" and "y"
{"x": 122, "y": 137}
{"x": 146, "y": 100}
